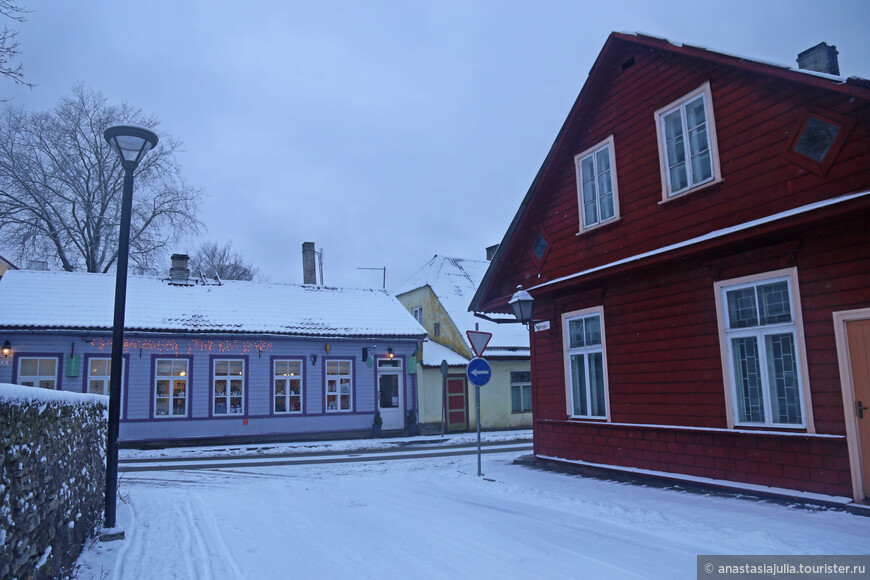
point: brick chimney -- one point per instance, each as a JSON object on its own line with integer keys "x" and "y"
{"x": 820, "y": 58}
{"x": 309, "y": 268}
{"x": 179, "y": 273}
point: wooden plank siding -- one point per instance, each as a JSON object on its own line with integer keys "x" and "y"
{"x": 666, "y": 385}
{"x": 664, "y": 363}
{"x": 139, "y": 425}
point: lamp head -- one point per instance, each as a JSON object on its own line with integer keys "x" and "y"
{"x": 130, "y": 143}
{"x": 521, "y": 303}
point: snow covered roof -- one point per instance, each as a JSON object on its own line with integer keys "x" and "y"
{"x": 58, "y": 300}
{"x": 454, "y": 281}
{"x": 434, "y": 353}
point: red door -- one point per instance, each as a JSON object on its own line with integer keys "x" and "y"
{"x": 457, "y": 404}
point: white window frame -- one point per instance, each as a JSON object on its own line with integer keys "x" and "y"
{"x": 37, "y": 379}
{"x": 106, "y": 379}
{"x": 713, "y": 143}
{"x": 417, "y": 311}
{"x": 521, "y": 386}
{"x": 568, "y": 351}
{"x": 337, "y": 392}
{"x": 172, "y": 380}
{"x": 592, "y": 153}
{"x": 726, "y": 335}
{"x": 286, "y": 381}
{"x": 228, "y": 396}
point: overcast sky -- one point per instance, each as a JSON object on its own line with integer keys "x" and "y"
{"x": 385, "y": 132}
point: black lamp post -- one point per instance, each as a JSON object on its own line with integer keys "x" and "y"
{"x": 131, "y": 144}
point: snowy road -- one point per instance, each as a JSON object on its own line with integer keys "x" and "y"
{"x": 433, "y": 518}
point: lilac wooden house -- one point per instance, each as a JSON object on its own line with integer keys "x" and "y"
{"x": 206, "y": 360}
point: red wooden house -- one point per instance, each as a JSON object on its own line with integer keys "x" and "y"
{"x": 697, "y": 243}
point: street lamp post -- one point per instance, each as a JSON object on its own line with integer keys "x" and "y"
{"x": 131, "y": 144}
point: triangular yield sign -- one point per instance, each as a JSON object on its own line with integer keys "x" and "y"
{"x": 478, "y": 341}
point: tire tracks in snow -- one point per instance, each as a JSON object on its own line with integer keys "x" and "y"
{"x": 132, "y": 535}
{"x": 193, "y": 533}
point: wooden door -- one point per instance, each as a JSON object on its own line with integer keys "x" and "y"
{"x": 390, "y": 393}
{"x": 858, "y": 334}
{"x": 457, "y": 404}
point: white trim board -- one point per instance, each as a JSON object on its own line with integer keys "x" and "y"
{"x": 699, "y": 429}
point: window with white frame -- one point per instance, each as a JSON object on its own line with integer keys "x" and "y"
{"x": 38, "y": 372}
{"x": 585, "y": 363}
{"x": 100, "y": 376}
{"x": 418, "y": 314}
{"x": 228, "y": 380}
{"x": 521, "y": 392}
{"x": 763, "y": 349}
{"x": 339, "y": 385}
{"x": 687, "y": 142}
{"x": 288, "y": 386}
{"x": 170, "y": 387}
{"x": 596, "y": 184}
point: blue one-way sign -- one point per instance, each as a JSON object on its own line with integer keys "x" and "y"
{"x": 478, "y": 372}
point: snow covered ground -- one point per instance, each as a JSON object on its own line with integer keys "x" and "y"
{"x": 434, "y": 518}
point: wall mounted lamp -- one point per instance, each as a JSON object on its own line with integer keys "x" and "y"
{"x": 7, "y": 349}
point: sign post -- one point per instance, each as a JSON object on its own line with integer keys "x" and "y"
{"x": 479, "y": 373}
{"x": 445, "y": 370}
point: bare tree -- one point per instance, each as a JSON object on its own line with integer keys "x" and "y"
{"x": 223, "y": 261}
{"x": 61, "y": 185}
{"x": 9, "y": 43}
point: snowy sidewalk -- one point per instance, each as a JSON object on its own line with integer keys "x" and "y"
{"x": 343, "y": 446}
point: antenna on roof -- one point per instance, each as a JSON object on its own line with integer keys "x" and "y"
{"x": 385, "y": 273}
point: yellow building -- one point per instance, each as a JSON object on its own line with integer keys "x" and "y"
{"x": 438, "y": 296}
{"x": 6, "y": 265}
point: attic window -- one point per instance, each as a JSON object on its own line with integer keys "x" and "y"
{"x": 539, "y": 248}
{"x": 818, "y": 139}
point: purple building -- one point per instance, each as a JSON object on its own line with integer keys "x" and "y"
{"x": 207, "y": 360}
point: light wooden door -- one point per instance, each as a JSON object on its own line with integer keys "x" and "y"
{"x": 858, "y": 333}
